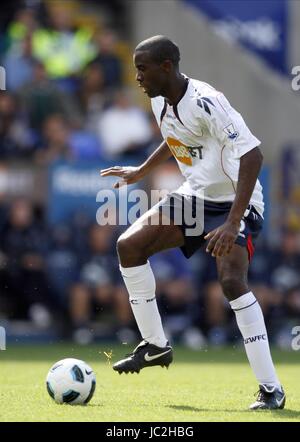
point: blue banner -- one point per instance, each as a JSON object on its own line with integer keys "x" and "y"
{"x": 73, "y": 189}
{"x": 259, "y": 25}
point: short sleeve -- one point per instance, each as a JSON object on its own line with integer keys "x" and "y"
{"x": 226, "y": 124}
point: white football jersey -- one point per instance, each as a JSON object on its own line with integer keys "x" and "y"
{"x": 207, "y": 137}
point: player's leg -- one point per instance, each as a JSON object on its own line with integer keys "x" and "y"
{"x": 150, "y": 234}
{"x": 233, "y": 273}
{"x": 144, "y": 238}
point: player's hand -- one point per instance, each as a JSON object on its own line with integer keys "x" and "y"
{"x": 221, "y": 240}
{"x": 128, "y": 174}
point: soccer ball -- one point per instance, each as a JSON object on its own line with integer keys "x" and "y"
{"x": 71, "y": 381}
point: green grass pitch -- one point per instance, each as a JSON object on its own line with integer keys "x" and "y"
{"x": 207, "y": 385}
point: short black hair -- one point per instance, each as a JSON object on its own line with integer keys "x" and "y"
{"x": 161, "y": 48}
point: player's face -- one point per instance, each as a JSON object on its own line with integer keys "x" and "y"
{"x": 151, "y": 76}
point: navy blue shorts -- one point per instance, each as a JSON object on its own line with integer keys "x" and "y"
{"x": 212, "y": 215}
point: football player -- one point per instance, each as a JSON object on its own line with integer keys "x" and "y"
{"x": 220, "y": 159}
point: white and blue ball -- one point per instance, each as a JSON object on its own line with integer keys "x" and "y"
{"x": 71, "y": 381}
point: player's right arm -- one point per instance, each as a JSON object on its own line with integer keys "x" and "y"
{"x": 131, "y": 174}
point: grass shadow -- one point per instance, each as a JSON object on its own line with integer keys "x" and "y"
{"x": 184, "y": 408}
{"x": 288, "y": 413}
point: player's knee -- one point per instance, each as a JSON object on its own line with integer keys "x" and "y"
{"x": 128, "y": 251}
{"x": 233, "y": 286}
{"x": 123, "y": 246}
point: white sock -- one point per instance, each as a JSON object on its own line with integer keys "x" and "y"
{"x": 252, "y": 326}
{"x": 140, "y": 283}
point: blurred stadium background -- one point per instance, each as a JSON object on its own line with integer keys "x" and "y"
{"x": 71, "y": 108}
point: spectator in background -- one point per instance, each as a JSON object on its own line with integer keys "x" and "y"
{"x": 291, "y": 304}
{"x": 107, "y": 59}
{"x": 56, "y": 138}
{"x": 19, "y": 64}
{"x": 23, "y": 246}
{"x": 24, "y": 22}
{"x": 124, "y": 128}
{"x": 63, "y": 143}
{"x": 99, "y": 286}
{"x": 62, "y": 263}
{"x": 92, "y": 95}
{"x": 41, "y": 98}
{"x": 288, "y": 318}
{"x": 285, "y": 262}
{"x": 63, "y": 48}
{"x": 3, "y": 212}
{"x": 16, "y": 139}
{"x": 284, "y": 277}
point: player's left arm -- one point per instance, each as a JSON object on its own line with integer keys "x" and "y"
{"x": 221, "y": 240}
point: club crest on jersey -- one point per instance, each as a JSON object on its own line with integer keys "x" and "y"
{"x": 180, "y": 151}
